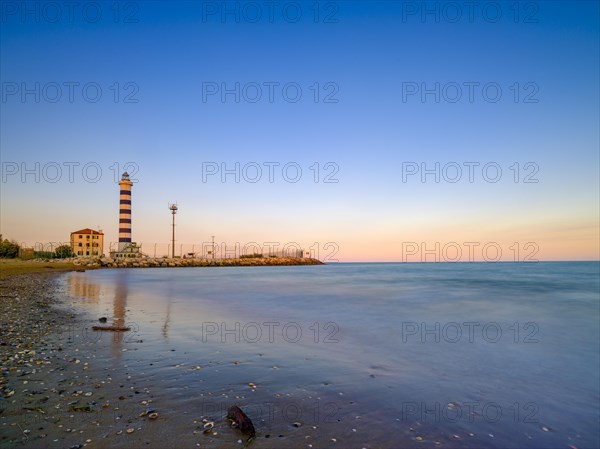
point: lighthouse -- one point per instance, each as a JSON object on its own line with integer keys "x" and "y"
{"x": 125, "y": 212}
{"x": 125, "y": 248}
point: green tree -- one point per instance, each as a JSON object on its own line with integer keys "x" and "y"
{"x": 63, "y": 251}
{"x": 8, "y": 249}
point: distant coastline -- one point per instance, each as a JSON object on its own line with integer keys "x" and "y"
{"x": 10, "y": 267}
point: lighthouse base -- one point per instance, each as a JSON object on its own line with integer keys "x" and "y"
{"x": 129, "y": 249}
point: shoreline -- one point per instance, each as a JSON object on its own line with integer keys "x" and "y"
{"x": 62, "y": 385}
{"x": 35, "y": 352}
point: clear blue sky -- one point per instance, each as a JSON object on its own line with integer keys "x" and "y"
{"x": 365, "y": 55}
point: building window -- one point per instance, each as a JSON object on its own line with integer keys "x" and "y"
{"x": 87, "y": 253}
{"x": 80, "y": 236}
{"x": 80, "y": 243}
{"x": 79, "y": 253}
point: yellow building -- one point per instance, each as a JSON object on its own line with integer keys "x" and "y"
{"x": 87, "y": 242}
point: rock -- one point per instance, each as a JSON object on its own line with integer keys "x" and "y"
{"x": 239, "y": 418}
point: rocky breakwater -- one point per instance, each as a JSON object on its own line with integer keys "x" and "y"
{"x": 147, "y": 262}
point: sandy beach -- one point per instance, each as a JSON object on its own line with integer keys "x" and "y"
{"x": 53, "y": 395}
{"x": 38, "y": 378}
{"x": 58, "y": 386}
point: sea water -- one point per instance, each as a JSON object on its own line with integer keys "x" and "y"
{"x": 494, "y": 355}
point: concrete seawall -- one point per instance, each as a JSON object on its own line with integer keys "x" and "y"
{"x": 105, "y": 262}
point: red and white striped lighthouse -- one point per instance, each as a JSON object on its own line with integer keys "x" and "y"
{"x": 125, "y": 212}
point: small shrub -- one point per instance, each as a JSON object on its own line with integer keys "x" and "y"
{"x": 8, "y": 249}
{"x": 63, "y": 251}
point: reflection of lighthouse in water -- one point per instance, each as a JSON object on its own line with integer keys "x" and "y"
{"x": 119, "y": 314}
{"x": 125, "y": 212}
{"x": 120, "y": 303}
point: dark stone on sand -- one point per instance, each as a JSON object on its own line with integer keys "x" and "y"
{"x": 235, "y": 414}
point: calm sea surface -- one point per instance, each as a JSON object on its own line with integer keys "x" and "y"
{"x": 502, "y": 355}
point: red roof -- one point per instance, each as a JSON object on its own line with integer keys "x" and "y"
{"x": 87, "y": 231}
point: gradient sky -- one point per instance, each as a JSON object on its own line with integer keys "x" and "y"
{"x": 370, "y": 53}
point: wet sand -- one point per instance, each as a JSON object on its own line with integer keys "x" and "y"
{"x": 41, "y": 367}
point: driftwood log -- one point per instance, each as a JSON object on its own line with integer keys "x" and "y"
{"x": 235, "y": 414}
{"x": 111, "y": 328}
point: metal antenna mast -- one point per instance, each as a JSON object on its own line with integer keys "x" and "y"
{"x": 173, "y": 208}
